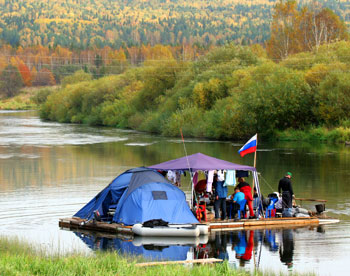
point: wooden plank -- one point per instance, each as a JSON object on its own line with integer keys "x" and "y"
{"x": 77, "y": 223}
{"x": 197, "y": 261}
{"x": 226, "y": 225}
{"x": 311, "y": 199}
{"x": 279, "y": 226}
{"x": 299, "y": 221}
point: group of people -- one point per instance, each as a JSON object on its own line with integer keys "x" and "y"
{"x": 243, "y": 191}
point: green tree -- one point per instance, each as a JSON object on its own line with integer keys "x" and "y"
{"x": 10, "y": 81}
{"x": 78, "y": 76}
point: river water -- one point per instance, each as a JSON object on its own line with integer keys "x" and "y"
{"x": 50, "y": 170}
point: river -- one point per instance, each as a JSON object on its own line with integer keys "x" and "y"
{"x": 50, "y": 170}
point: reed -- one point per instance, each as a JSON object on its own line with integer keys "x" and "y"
{"x": 323, "y": 134}
{"x": 20, "y": 258}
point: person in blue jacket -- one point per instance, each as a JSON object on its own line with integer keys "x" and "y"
{"x": 220, "y": 195}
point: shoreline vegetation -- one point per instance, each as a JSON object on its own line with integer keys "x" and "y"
{"x": 20, "y": 258}
{"x": 28, "y": 98}
{"x": 228, "y": 94}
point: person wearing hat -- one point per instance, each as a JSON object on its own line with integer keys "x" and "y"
{"x": 285, "y": 186}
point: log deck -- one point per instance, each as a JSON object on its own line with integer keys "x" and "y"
{"x": 225, "y": 225}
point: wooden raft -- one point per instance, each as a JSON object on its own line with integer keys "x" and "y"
{"x": 262, "y": 223}
{"x": 226, "y": 225}
{"x": 78, "y": 223}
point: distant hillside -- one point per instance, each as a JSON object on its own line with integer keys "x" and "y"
{"x": 81, "y": 24}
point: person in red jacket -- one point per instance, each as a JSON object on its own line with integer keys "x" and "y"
{"x": 247, "y": 191}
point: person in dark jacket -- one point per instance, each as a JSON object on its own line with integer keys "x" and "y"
{"x": 220, "y": 196}
{"x": 285, "y": 185}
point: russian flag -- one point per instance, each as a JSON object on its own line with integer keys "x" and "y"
{"x": 249, "y": 147}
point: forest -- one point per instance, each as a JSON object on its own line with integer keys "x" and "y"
{"x": 297, "y": 84}
{"x": 42, "y": 66}
{"x": 77, "y": 24}
{"x": 293, "y": 29}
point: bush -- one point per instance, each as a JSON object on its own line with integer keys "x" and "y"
{"x": 78, "y": 76}
{"x": 41, "y": 96}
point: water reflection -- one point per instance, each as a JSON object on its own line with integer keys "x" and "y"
{"x": 51, "y": 170}
{"x": 241, "y": 248}
{"x": 155, "y": 249}
{"x": 287, "y": 247}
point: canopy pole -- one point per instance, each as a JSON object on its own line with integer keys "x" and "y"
{"x": 189, "y": 168}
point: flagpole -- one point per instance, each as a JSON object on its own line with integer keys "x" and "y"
{"x": 255, "y": 162}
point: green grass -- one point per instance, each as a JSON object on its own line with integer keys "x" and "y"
{"x": 22, "y": 101}
{"x": 19, "y": 258}
{"x": 338, "y": 134}
{"x": 29, "y": 98}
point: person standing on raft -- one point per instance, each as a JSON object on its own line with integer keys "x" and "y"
{"x": 247, "y": 191}
{"x": 285, "y": 185}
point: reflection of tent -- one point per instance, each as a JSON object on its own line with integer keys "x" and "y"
{"x": 139, "y": 195}
{"x": 173, "y": 252}
{"x": 202, "y": 162}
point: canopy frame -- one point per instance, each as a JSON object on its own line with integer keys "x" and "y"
{"x": 202, "y": 162}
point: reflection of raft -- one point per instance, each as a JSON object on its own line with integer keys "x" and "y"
{"x": 166, "y": 231}
{"x": 226, "y": 225}
{"x": 166, "y": 241}
{"x": 171, "y": 230}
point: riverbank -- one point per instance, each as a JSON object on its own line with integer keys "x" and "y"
{"x": 19, "y": 258}
{"x": 339, "y": 134}
{"x": 29, "y": 98}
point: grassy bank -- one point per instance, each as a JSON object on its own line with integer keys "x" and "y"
{"x": 27, "y": 99}
{"x": 339, "y": 134}
{"x": 20, "y": 258}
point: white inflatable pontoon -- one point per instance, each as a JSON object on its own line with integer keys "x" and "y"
{"x": 166, "y": 231}
{"x": 203, "y": 228}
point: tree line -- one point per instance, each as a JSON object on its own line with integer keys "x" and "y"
{"x": 229, "y": 93}
{"x": 44, "y": 66}
{"x": 81, "y": 25}
{"x": 293, "y": 30}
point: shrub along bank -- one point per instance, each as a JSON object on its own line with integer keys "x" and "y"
{"x": 230, "y": 93}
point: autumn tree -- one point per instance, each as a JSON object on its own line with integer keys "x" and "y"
{"x": 44, "y": 77}
{"x": 294, "y": 31}
{"x": 283, "y": 40}
{"x": 319, "y": 26}
{"x": 10, "y": 81}
{"x": 25, "y": 73}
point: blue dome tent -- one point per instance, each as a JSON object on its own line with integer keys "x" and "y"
{"x": 139, "y": 195}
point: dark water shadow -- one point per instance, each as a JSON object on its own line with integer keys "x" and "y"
{"x": 245, "y": 248}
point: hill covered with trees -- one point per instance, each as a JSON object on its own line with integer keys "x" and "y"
{"x": 294, "y": 29}
{"x": 78, "y": 24}
{"x": 230, "y": 93}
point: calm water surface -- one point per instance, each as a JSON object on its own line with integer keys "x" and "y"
{"x": 50, "y": 170}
